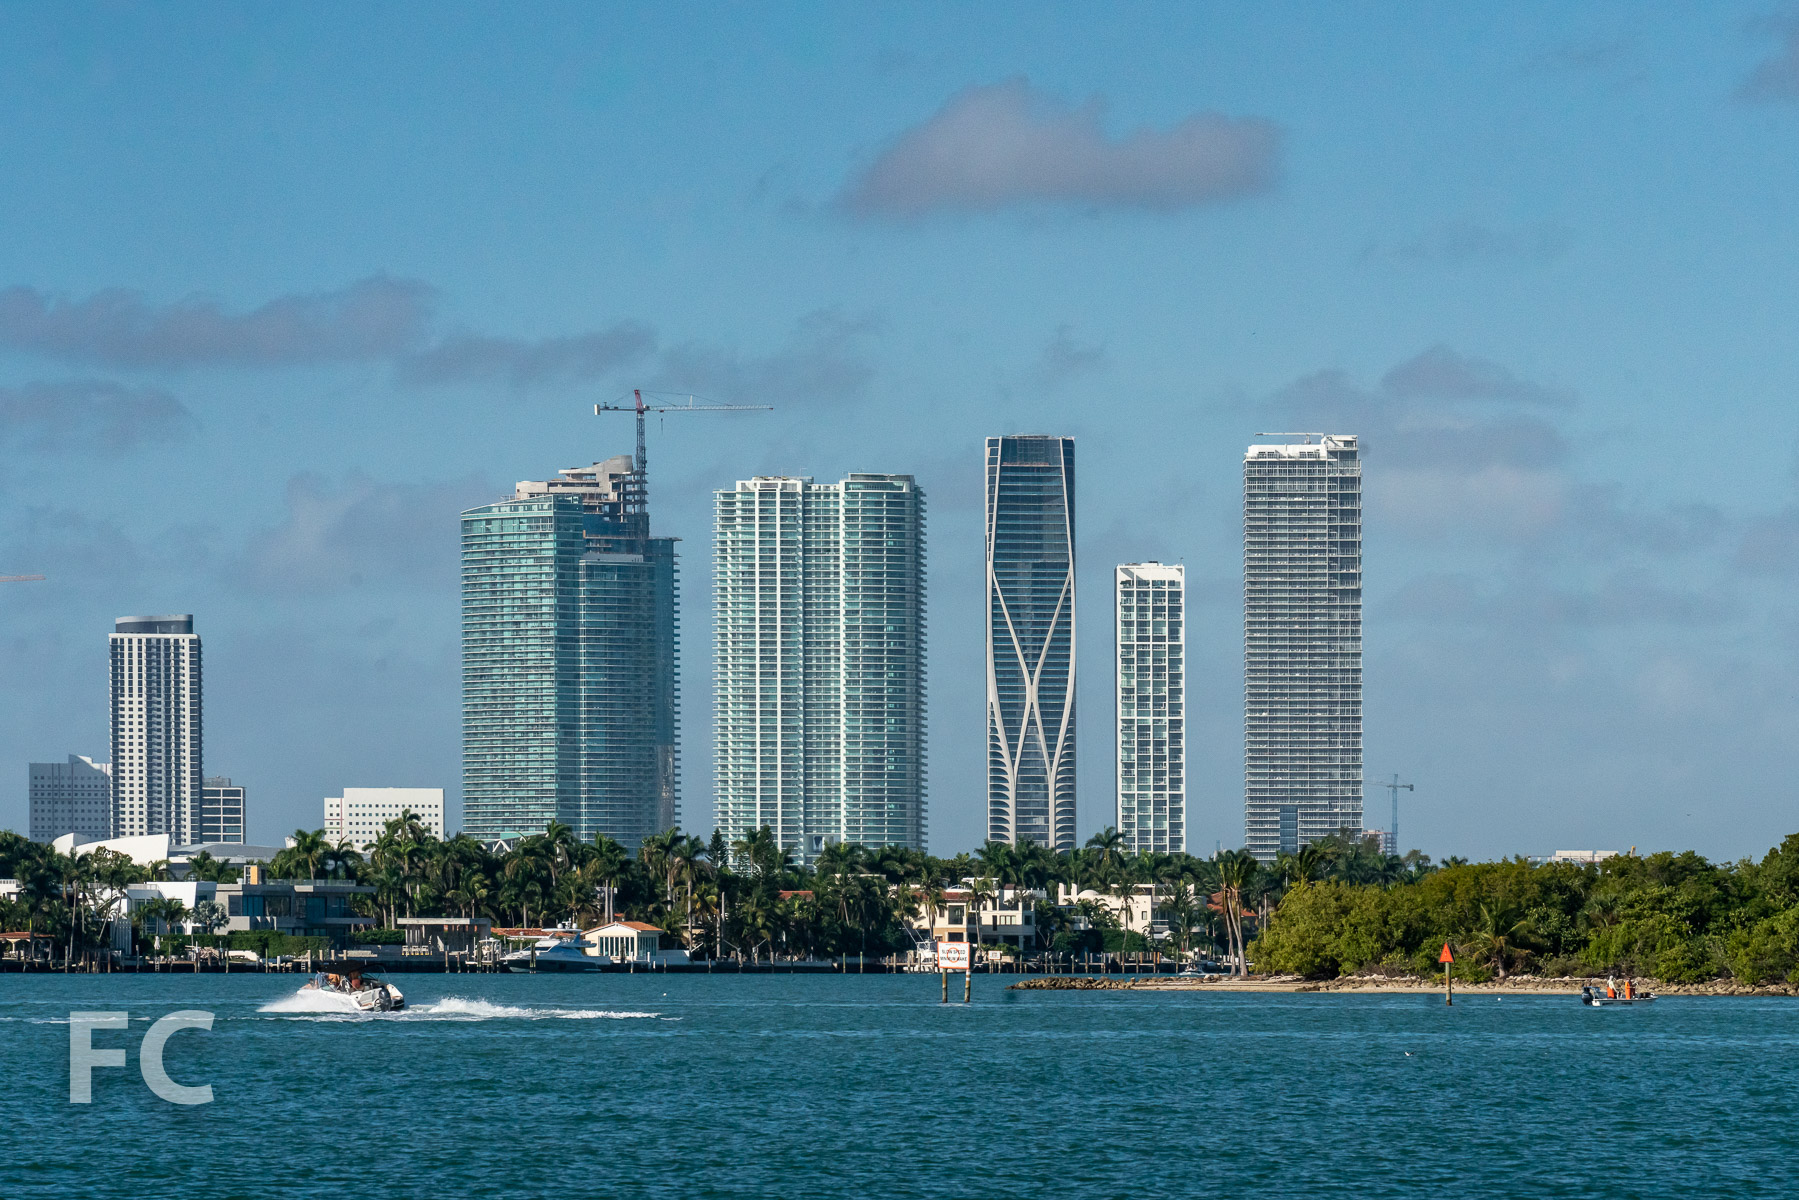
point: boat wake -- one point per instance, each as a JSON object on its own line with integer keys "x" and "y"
{"x": 457, "y": 1008}
{"x": 312, "y": 1002}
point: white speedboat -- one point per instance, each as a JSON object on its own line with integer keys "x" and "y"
{"x": 361, "y": 990}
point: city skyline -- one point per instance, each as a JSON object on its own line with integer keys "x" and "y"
{"x": 263, "y": 326}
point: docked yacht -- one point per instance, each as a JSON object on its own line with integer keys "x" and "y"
{"x": 554, "y": 953}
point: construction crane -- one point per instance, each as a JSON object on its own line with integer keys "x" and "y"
{"x": 19, "y": 578}
{"x": 639, "y": 466}
{"x": 1395, "y": 787}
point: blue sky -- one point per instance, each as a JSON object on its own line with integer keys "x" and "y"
{"x": 283, "y": 289}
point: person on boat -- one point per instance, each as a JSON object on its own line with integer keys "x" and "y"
{"x": 355, "y": 980}
{"x": 1611, "y": 987}
{"x": 1627, "y": 989}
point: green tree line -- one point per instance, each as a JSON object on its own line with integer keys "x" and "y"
{"x": 1670, "y": 916}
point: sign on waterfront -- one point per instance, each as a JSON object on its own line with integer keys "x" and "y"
{"x": 952, "y": 956}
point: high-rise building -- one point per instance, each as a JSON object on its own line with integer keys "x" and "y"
{"x": 569, "y": 644}
{"x": 73, "y": 797}
{"x": 819, "y": 628}
{"x": 1030, "y": 640}
{"x": 360, "y": 815}
{"x": 1150, "y": 601}
{"x": 1302, "y": 643}
{"x": 221, "y": 810}
{"x": 156, "y": 727}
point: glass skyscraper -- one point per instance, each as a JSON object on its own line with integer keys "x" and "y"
{"x": 1302, "y": 643}
{"x": 1030, "y": 640}
{"x": 569, "y": 642}
{"x": 1151, "y": 696}
{"x": 819, "y": 633}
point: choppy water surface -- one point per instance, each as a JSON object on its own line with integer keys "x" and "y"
{"x": 620, "y": 1085}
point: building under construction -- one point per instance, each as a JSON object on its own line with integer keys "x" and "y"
{"x": 1302, "y": 642}
{"x": 569, "y": 646}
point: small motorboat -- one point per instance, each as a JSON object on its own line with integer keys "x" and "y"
{"x": 364, "y": 991}
{"x": 1596, "y": 997}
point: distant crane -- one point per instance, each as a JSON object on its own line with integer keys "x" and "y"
{"x": 1395, "y": 787}
{"x": 640, "y": 467}
{"x": 19, "y": 578}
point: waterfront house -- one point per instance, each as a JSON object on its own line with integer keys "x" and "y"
{"x": 1006, "y": 916}
{"x": 1139, "y": 912}
{"x": 630, "y": 941}
{"x": 309, "y": 907}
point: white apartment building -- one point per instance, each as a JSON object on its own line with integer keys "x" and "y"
{"x": 1302, "y": 642}
{"x": 360, "y": 815}
{"x": 1150, "y": 693}
{"x": 73, "y": 797}
{"x": 819, "y": 629}
{"x": 156, "y": 727}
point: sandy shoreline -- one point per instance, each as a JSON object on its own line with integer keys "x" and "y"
{"x": 1526, "y": 986}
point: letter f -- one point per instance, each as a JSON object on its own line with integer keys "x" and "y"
{"x": 83, "y": 1057}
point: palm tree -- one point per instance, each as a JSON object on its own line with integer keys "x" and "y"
{"x": 1499, "y": 935}
{"x": 1304, "y": 865}
{"x": 308, "y": 850}
{"x": 610, "y": 861}
{"x": 1236, "y": 870}
{"x": 1109, "y": 849}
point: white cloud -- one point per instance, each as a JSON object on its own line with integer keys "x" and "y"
{"x": 372, "y": 318}
{"x": 478, "y": 358}
{"x": 1007, "y": 144}
{"x": 85, "y": 415}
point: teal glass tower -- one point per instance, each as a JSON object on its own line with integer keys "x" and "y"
{"x": 569, "y": 648}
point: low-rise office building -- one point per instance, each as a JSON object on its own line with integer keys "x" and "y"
{"x": 221, "y": 810}
{"x": 360, "y": 815}
{"x": 71, "y": 798}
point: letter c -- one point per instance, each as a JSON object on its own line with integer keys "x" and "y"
{"x": 150, "y": 1057}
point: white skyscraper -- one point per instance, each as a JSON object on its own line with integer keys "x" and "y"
{"x": 1302, "y": 642}
{"x": 1150, "y": 604}
{"x": 156, "y": 727}
{"x": 819, "y": 631}
{"x": 73, "y": 797}
{"x": 360, "y": 815}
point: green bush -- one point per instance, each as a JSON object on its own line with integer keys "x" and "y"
{"x": 1767, "y": 951}
{"x": 378, "y": 937}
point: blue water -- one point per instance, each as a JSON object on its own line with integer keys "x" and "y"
{"x": 695, "y": 1086}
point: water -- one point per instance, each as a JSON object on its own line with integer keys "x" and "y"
{"x": 862, "y": 1087}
